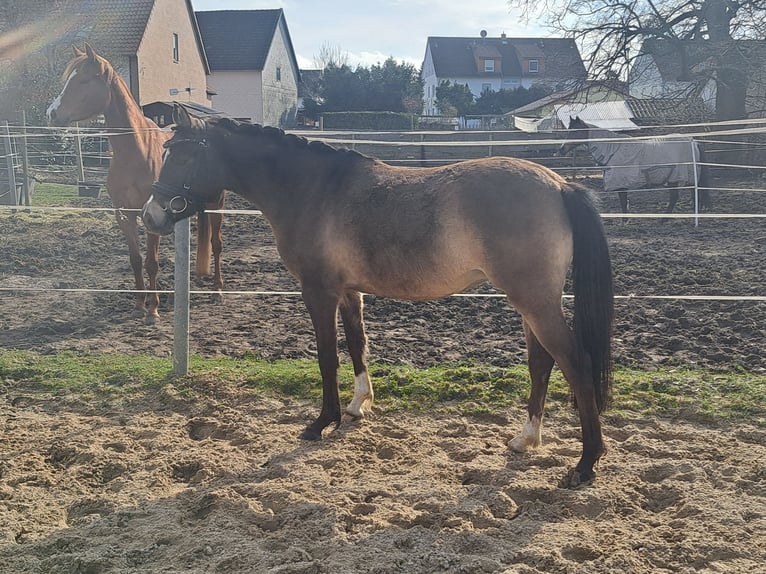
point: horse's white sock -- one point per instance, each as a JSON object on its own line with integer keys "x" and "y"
{"x": 530, "y": 436}
{"x": 361, "y": 404}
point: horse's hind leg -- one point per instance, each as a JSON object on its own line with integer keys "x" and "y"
{"x": 672, "y": 199}
{"x": 351, "y": 311}
{"x": 550, "y": 327}
{"x": 540, "y": 365}
{"x": 128, "y": 226}
{"x": 152, "y": 266}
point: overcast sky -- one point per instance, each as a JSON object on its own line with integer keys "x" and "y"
{"x": 369, "y": 32}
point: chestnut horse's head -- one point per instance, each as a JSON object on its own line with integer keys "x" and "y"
{"x": 577, "y": 134}
{"x": 87, "y": 89}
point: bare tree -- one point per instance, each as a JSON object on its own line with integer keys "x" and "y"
{"x": 711, "y": 39}
{"x": 330, "y": 54}
{"x": 33, "y": 51}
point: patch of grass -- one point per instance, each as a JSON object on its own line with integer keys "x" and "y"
{"x": 470, "y": 389}
{"x": 55, "y": 195}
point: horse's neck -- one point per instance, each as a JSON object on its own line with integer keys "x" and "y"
{"x": 125, "y": 117}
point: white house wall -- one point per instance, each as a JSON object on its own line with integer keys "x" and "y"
{"x": 280, "y": 91}
{"x": 239, "y": 94}
{"x": 645, "y": 81}
{"x": 430, "y": 83}
{"x": 477, "y": 85}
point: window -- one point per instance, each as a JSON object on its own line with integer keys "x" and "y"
{"x": 489, "y": 65}
{"x": 279, "y": 73}
{"x": 534, "y": 66}
{"x": 486, "y": 88}
{"x": 175, "y": 48}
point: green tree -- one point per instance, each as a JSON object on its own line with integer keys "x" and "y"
{"x": 387, "y": 87}
{"x": 395, "y": 87}
{"x": 612, "y": 31}
{"x": 503, "y": 101}
{"x": 453, "y": 99}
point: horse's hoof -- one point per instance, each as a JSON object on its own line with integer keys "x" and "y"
{"x": 138, "y": 312}
{"x": 151, "y": 318}
{"x": 216, "y": 298}
{"x": 310, "y": 434}
{"x": 576, "y": 479}
{"x": 350, "y": 417}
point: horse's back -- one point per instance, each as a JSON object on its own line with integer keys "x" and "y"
{"x": 425, "y": 233}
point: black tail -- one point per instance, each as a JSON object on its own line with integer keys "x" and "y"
{"x": 592, "y": 286}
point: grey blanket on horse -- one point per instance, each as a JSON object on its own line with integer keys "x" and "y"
{"x": 646, "y": 162}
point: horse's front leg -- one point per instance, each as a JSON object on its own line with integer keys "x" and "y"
{"x": 623, "y": 195}
{"x": 128, "y": 225}
{"x": 540, "y": 364}
{"x": 672, "y": 199}
{"x": 152, "y": 266}
{"x": 322, "y": 305}
{"x": 351, "y": 311}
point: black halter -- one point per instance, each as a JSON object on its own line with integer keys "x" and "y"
{"x": 180, "y": 198}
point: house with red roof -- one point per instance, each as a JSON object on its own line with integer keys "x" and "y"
{"x": 499, "y": 63}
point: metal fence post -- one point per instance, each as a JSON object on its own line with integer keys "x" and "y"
{"x": 181, "y": 299}
{"x": 696, "y": 185}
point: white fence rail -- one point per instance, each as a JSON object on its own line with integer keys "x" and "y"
{"x": 380, "y": 144}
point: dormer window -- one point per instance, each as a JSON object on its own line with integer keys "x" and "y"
{"x": 489, "y": 65}
{"x": 534, "y": 66}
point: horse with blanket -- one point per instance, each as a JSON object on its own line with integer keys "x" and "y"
{"x": 633, "y": 163}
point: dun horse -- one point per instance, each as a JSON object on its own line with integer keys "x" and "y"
{"x": 347, "y": 224}
{"x": 93, "y": 87}
{"x": 642, "y": 163}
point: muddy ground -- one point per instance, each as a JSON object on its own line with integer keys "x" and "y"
{"x": 164, "y": 484}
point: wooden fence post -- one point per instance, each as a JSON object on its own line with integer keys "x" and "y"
{"x": 25, "y": 160}
{"x": 12, "y": 197}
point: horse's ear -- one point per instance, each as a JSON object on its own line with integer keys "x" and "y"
{"x": 77, "y": 52}
{"x": 90, "y": 52}
{"x": 181, "y": 117}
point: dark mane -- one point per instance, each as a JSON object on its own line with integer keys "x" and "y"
{"x": 279, "y": 135}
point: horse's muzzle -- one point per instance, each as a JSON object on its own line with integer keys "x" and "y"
{"x": 156, "y": 219}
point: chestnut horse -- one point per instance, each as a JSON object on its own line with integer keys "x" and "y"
{"x": 347, "y": 224}
{"x": 93, "y": 87}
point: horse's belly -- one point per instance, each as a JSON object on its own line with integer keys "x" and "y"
{"x": 423, "y": 285}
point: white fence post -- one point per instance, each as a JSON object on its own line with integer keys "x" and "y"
{"x": 181, "y": 299}
{"x": 696, "y": 184}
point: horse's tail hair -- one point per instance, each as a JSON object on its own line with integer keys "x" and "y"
{"x": 593, "y": 289}
{"x": 204, "y": 249}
